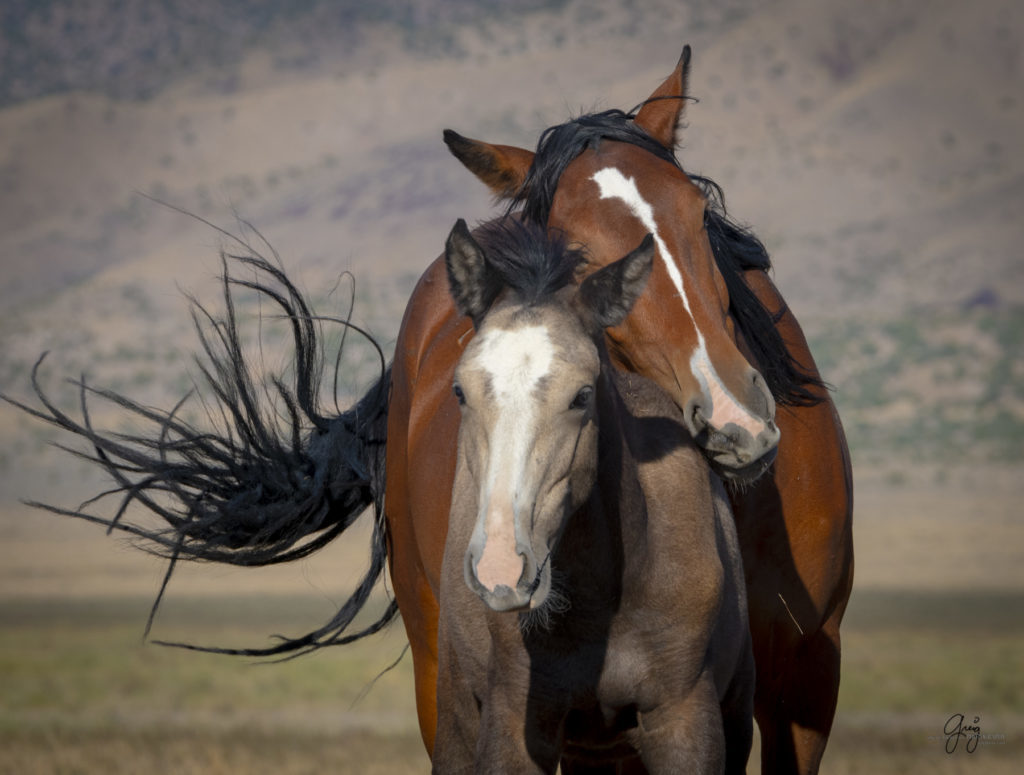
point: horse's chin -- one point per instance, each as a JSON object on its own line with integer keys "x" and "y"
{"x": 744, "y": 476}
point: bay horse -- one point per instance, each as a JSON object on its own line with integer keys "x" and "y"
{"x": 711, "y": 331}
{"x": 592, "y": 593}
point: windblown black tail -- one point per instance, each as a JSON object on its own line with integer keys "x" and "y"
{"x": 277, "y": 479}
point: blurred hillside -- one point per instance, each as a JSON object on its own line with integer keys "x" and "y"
{"x": 132, "y": 49}
{"x": 875, "y": 149}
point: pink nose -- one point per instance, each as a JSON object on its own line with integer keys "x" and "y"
{"x": 738, "y": 434}
{"x": 499, "y": 564}
{"x": 499, "y": 570}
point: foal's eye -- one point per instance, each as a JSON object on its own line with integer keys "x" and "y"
{"x": 582, "y": 399}
{"x": 459, "y": 395}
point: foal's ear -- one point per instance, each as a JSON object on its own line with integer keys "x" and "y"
{"x": 662, "y": 113}
{"x": 502, "y": 168}
{"x": 467, "y": 272}
{"x": 606, "y": 297}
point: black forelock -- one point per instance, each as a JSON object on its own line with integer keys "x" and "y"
{"x": 526, "y": 259}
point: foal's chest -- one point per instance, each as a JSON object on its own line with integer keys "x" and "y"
{"x": 629, "y": 665}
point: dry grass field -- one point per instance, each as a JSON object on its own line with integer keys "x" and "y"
{"x": 928, "y": 635}
{"x": 875, "y": 149}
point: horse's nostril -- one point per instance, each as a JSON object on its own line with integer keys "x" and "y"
{"x": 694, "y": 416}
{"x": 762, "y": 401}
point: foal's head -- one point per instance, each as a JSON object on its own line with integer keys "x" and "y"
{"x": 527, "y": 385}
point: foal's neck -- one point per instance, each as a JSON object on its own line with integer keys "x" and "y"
{"x": 601, "y": 538}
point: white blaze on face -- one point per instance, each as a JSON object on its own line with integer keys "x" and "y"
{"x": 614, "y": 185}
{"x": 515, "y": 360}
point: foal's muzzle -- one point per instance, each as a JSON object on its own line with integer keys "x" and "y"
{"x": 507, "y": 594}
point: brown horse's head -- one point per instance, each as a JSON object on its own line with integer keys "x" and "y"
{"x": 526, "y": 384}
{"x": 606, "y": 180}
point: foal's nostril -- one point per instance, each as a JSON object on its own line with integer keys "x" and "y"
{"x": 529, "y": 570}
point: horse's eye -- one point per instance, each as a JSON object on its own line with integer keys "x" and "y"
{"x": 459, "y": 395}
{"x": 582, "y": 399}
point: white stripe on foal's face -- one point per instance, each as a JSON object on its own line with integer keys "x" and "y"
{"x": 614, "y": 185}
{"x": 515, "y": 361}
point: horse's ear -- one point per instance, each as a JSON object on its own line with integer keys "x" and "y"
{"x": 662, "y": 113}
{"x": 502, "y": 168}
{"x": 606, "y": 297}
{"x": 467, "y": 272}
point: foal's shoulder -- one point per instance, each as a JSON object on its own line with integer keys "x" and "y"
{"x": 656, "y": 435}
{"x": 656, "y": 419}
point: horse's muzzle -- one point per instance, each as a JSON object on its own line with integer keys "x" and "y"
{"x": 738, "y": 437}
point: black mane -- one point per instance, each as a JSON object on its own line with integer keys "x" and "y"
{"x": 526, "y": 259}
{"x": 735, "y": 248}
{"x": 559, "y": 145}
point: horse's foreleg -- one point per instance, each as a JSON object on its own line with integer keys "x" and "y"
{"x": 795, "y": 718}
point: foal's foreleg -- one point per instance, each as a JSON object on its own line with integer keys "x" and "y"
{"x": 518, "y": 735}
{"x": 457, "y": 731}
{"x": 738, "y": 718}
{"x": 458, "y": 708}
{"x": 684, "y": 735}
